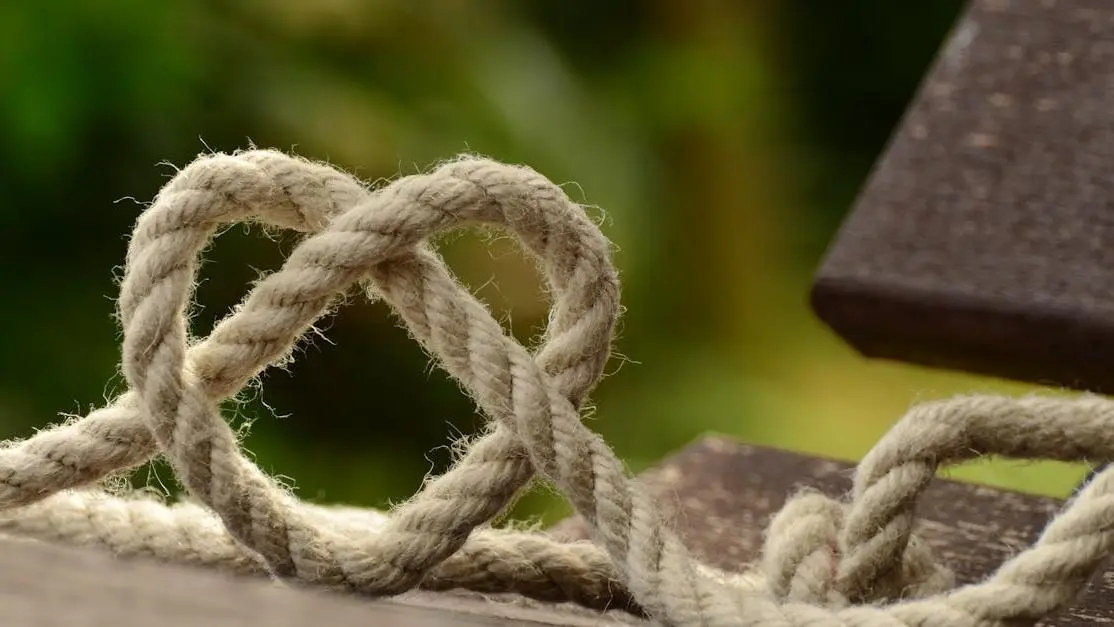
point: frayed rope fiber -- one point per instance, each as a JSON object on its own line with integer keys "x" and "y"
{"x": 852, "y": 562}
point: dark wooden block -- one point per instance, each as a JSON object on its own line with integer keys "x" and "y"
{"x": 984, "y": 239}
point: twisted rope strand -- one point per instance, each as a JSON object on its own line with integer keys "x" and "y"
{"x": 826, "y": 563}
{"x": 491, "y": 561}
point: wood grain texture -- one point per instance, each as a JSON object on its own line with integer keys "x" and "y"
{"x": 47, "y": 586}
{"x": 984, "y": 238}
{"x": 721, "y": 493}
{"x": 50, "y": 586}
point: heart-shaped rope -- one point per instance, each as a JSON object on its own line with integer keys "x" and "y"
{"x": 278, "y": 190}
{"x": 825, "y": 562}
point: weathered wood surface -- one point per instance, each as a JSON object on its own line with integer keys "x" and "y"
{"x": 46, "y": 586}
{"x": 723, "y": 493}
{"x": 984, "y": 239}
{"x": 49, "y": 586}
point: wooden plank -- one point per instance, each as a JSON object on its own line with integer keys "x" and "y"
{"x": 48, "y": 586}
{"x": 724, "y": 493}
{"x": 984, "y": 239}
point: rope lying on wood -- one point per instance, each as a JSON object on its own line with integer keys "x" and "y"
{"x": 854, "y": 563}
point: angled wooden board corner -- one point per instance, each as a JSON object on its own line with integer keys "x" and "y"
{"x": 984, "y": 238}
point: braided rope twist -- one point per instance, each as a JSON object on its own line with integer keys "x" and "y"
{"x": 825, "y": 562}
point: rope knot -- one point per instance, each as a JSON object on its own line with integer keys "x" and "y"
{"x": 803, "y": 560}
{"x": 800, "y": 557}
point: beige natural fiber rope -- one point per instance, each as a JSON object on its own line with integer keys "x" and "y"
{"x": 825, "y": 563}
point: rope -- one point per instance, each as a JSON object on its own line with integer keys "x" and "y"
{"x": 826, "y": 562}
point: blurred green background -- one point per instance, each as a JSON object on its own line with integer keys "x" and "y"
{"x": 723, "y": 140}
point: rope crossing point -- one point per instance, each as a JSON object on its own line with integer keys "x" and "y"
{"x": 825, "y": 563}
